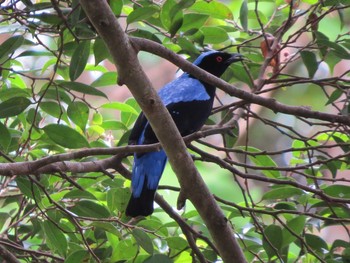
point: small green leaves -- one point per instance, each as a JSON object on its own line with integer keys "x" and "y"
{"x": 65, "y": 136}
{"x": 13, "y": 106}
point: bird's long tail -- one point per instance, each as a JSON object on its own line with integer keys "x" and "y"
{"x": 146, "y": 173}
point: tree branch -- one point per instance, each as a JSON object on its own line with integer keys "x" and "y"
{"x": 131, "y": 74}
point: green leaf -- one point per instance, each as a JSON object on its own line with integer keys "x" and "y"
{"x": 143, "y": 240}
{"x": 125, "y": 249}
{"x": 129, "y": 118}
{"x": 52, "y": 108}
{"x": 177, "y": 243}
{"x": 13, "y": 106}
{"x": 79, "y": 59}
{"x": 76, "y": 193}
{"x": 339, "y": 191}
{"x": 142, "y": 13}
{"x": 214, "y": 34}
{"x": 5, "y": 138}
{"x": 10, "y": 45}
{"x": 263, "y": 161}
{"x": 101, "y": 51}
{"x": 273, "y": 234}
{"x": 316, "y": 243}
{"x": 80, "y": 87}
{"x": 113, "y": 125}
{"x": 297, "y": 225}
{"x": 55, "y": 238}
{"x": 118, "y": 198}
{"x": 243, "y": 15}
{"x": 158, "y": 258}
{"x": 90, "y": 209}
{"x": 28, "y": 188}
{"x": 106, "y": 79}
{"x": 282, "y": 193}
{"x": 65, "y": 136}
{"x": 212, "y": 8}
{"x": 78, "y": 112}
{"x": 120, "y": 106}
{"x": 334, "y": 96}
{"x": 116, "y": 6}
{"x": 77, "y": 256}
{"x": 310, "y": 61}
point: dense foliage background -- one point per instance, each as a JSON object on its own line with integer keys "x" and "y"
{"x": 280, "y": 176}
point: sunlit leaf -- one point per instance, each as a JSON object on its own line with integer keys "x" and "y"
{"x": 78, "y": 112}
{"x": 212, "y": 8}
{"x": 65, "y": 136}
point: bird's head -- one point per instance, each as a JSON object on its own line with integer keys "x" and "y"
{"x": 216, "y": 62}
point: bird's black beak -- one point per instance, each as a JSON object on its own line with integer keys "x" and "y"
{"x": 234, "y": 58}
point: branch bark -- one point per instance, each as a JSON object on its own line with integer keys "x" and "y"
{"x": 131, "y": 74}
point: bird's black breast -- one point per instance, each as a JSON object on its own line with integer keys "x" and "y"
{"x": 188, "y": 116}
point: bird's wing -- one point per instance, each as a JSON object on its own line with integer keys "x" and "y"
{"x": 183, "y": 89}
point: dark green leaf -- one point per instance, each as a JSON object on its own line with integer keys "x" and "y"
{"x": 90, "y": 209}
{"x": 282, "y": 193}
{"x": 52, "y": 108}
{"x": 76, "y": 193}
{"x": 339, "y": 191}
{"x": 143, "y": 240}
{"x": 13, "y": 106}
{"x": 316, "y": 243}
{"x": 142, "y": 13}
{"x": 55, "y": 238}
{"x": 334, "y": 96}
{"x": 273, "y": 234}
{"x": 80, "y": 87}
{"x": 116, "y": 6}
{"x": 10, "y": 45}
{"x": 79, "y": 60}
{"x": 78, "y": 112}
{"x": 158, "y": 258}
{"x": 310, "y": 61}
{"x": 5, "y": 138}
{"x": 297, "y": 225}
{"x": 28, "y": 188}
{"x": 145, "y": 34}
{"x": 100, "y": 51}
{"x": 65, "y": 136}
{"x": 77, "y": 256}
{"x": 243, "y": 15}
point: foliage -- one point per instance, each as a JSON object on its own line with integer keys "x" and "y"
{"x": 290, "y": 183}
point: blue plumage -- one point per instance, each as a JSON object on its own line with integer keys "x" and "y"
{"x": 189, "y": 102}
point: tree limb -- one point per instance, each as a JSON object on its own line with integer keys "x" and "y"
{"x": 131, "y": 74}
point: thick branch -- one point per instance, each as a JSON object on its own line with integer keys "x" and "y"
{"x": 131, "y": 74}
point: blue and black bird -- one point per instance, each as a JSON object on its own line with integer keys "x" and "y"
{"x": 189, "y": 102}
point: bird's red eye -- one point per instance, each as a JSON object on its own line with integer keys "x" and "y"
{"x": 219, "y": 59}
